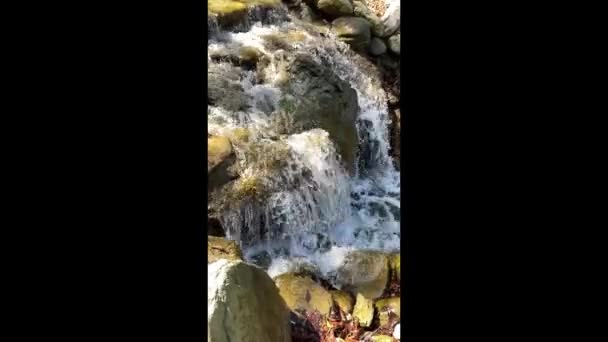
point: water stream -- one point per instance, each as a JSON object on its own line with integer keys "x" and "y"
{"x": 320, "y": 211}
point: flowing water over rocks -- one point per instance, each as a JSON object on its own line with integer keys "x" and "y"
{"x": 308, "y": 123}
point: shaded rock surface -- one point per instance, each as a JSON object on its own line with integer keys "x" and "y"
{"x": 377, "y": 47}
{"x": 244, "y": 305}
{"x": 354, "y": 31}
{"x": 334, "y": 7}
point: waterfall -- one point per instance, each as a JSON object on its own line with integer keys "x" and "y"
{"x": 317, "y": 210}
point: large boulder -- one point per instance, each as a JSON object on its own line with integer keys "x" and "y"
{"x": 365, "y": 273}
{"x": 220, "y": 248}
{"x": 334, "y": 8}
{"x": 244, "y": 305}
{"x": 314, "y": 97}
{"x": 376, "y": 25}
{"x": 354, "y": 31}
{"x": 301, "y": 293}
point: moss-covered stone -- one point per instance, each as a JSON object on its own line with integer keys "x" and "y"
{"x": 218, "y": 149}
{"x": 300, "y": 292}
{"x": 344, "y": 300}
{"x": 231, "y": 12}
{"x": 364, "y": 310}
{"x": 220, "y": 162}
{"x": 393, "y": 304}
{"x": 221, "y": 248}
{"x": 364, "y": 272}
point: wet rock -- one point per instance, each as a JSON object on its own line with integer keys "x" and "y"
{"x": 334, "y": 7}
{"x": 377, "y": 47}
{"x": 221, "y": 248}
{"x": 394, "y": 43}
{"x": 314, "y": 97}
{"x": 220, "y": 162}
{"x": 262, "y": 259}
{"x": 244, "y": 305}
{"x": 364, "y": 310}
{"x": 354, "y": 31}
{"x": 361, "y": 10}
{"x": 224, "y": 88}
{"x": 230, "y": 13}
{"x": 392, "y": 18}
{"x": 365, "y": 273}
{"x": 301, "y": 293}
{"x": 344, "y": 300}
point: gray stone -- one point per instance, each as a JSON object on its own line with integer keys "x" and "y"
{"x": 334, "y": 7}
{"x": 377, "y": 47}
{"x": 361, "y": 10}
{"x": 394, "y": 43}
{"x": 314, "y": 97}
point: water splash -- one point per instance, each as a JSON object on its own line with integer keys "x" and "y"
{"x": 317, "y": 212}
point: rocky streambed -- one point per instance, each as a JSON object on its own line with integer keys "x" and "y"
{"x": 304, "y": 186}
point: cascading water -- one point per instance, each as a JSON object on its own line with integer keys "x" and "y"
{"x": 317, "y": 209}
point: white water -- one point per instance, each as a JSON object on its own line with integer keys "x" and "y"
{"x": 315, "y": 219}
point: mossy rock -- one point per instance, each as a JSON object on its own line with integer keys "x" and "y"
{"x": 221, "y": 248}
{"x": 301, "y": 293}
{"x": 393, "y": 304}
{"x": 233, "y": 12}
{"x": 218, "y": 149}
{"x": 382, "y": 338}
{"x": 364, "y": 310}
{"x": 364, "y": 272}
{"x": 344, "y": 300}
